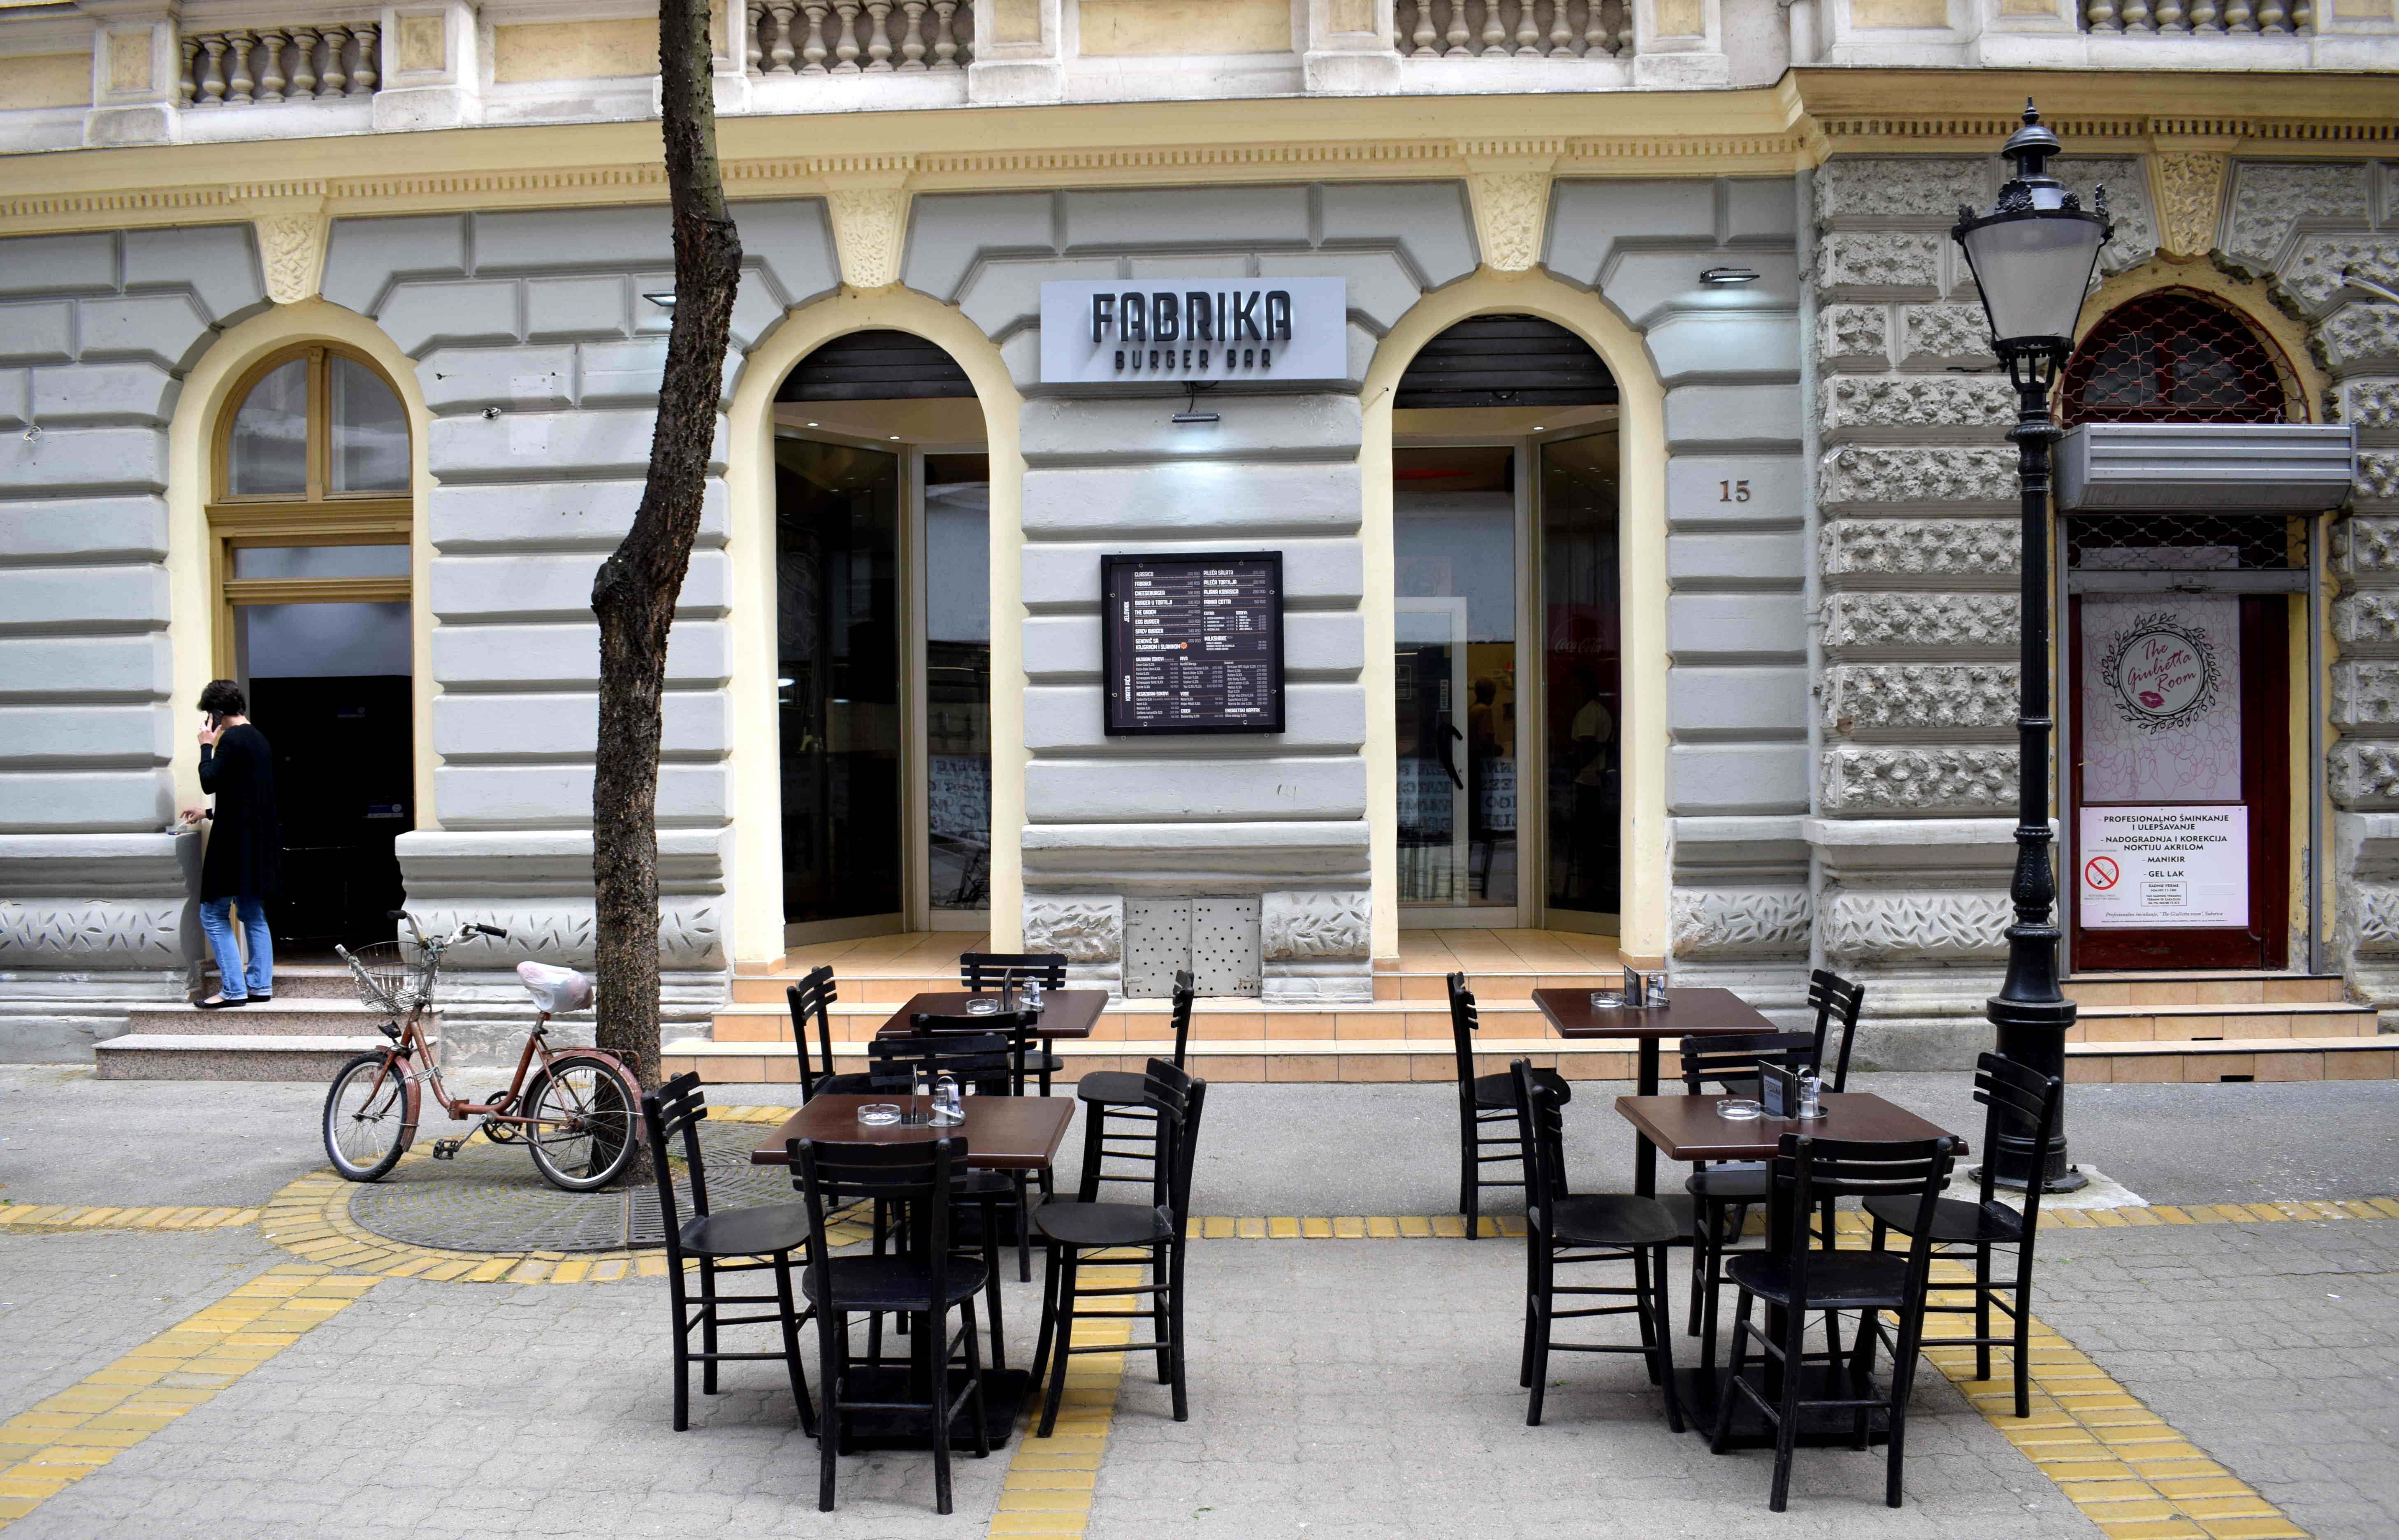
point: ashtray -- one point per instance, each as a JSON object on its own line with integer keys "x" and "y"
{"x": 1606, "y": 999}
{"x": 879, "y": 1114}
{"x": 983, "y": 1005}
{"x": 1740, "y": 1109}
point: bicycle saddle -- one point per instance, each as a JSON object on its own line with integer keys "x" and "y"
{"x": 555, "y": 990}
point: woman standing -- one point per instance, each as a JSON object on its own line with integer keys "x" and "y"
{"x": 245, "y": 857}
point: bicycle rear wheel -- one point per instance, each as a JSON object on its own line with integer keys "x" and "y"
{"x": 367, "y": 1117}
{"x": 589, "y": 1116}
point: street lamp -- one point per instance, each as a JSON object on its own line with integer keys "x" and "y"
{"x": 2032, "y": 257}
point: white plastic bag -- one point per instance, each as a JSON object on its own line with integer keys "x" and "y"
{"x": 555, "y": 990}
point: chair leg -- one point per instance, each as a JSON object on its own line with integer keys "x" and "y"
{"x": 989, "y": 1214}
{"x": 1902, "y": 1384}
{"x": 1663, "y": 1368}
{"x": 936, "y": 1323}
{"x": 1051, "y": 1264}
{"x": 1176, "y": 1250}
{"x": 1024, "y": 1233}
{"x": 1642, "y": 1316}
{"x": 1982, "y": 1311}
{"x": 708, "y": 1325}
{"x": 1533, "y": 1244}
{"x": 1786, "y": 1426}
{"x": 1542, "y": 1300}
{"x": 1712, "y": 1295}
{"x": 1470, "y": 1182}
{"x": 1063, "y": 1344}
{"x": 1160, "y": 1300}
{"x": 832, "y": 1368}
{"x": 2024, "y": 1337}
{"x": 1703, "y": 1224}
{"x": 974, "y": 1385}
{"x": 681, "y": 1344}
{"x": 1730, "y": 1390}
{"x": 790, "y": 1314}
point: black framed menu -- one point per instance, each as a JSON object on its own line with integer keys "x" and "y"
{"x": 1192, "y": 643}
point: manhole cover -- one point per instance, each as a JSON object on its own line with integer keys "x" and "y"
{"x": 490, "y": 1199}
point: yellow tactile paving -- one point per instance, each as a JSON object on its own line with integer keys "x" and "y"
{"x": 65, "y": 1437}
{"x": 1049, "y": 1486}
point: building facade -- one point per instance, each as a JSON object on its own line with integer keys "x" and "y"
{"x": 1635, "y": 476}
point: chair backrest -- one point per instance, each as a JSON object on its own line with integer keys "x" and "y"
{"x": 1540, "y": 1127}
{"x": 988, "y": 971}
{"x": 1464, "y": 1022}
{"x": 1738, "y": 1056}
{"x": 1014, "y": 1025}
{"x": 1834, "y": 999}
{"x": 1184, "y": 994}
{"x": 830, "y": 1174}
{"x": 983, "y": 1063}
{"x": 810, "y": 999}
{"x": 1808, "y": 1171}
{"x": 1178, "y": 1098}
{"x": 2018, "y": 1099}
{"x": 674, "y": 1111}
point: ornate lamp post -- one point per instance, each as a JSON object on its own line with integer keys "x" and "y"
{"x": 2032, "y": 257}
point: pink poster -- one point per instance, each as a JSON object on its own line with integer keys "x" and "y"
{"x": 2160, "y": 698}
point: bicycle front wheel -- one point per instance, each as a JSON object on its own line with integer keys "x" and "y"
{"x": 368, "y": 1118}
{"x": 588, "y": 1114}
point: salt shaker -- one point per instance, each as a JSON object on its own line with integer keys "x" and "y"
{"x": 1033, "y": 995}
{"x": 948, "y": 1110}
{"x": 1812, "y": 1094}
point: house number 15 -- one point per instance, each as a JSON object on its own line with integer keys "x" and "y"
{"x": 1732, "y": 492}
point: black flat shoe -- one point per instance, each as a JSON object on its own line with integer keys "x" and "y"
{"x": 222, "y": 1004}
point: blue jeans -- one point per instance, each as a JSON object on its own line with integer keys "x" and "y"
{"x": 217, "y": 917}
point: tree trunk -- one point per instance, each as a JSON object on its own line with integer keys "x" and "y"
{"x": 634, "y": 594}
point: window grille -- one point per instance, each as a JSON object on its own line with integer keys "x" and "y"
{"x": 2172, "y": 357}
{"x": 2185, "y": 542}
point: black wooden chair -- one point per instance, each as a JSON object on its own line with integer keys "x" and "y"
{"x": 759, "y": 1239}
{"x": 984, "y": 1064}
{"x": 1723, "y": 1194}
{"x": 1836, "y": 1001}
{"x": 1797, "y": 1280}
{"x": 923, "y": 1283}
{"x": 1487, "y": 1132}
{"x": 810, "y": 1000}
{"x": 1158, "y": 1228}
{"x": 2016, "y": 1098}
{"x": 1122, "y": 1097}
{"x": 1564, "y": 1227}
{"x": 983, "y": 971}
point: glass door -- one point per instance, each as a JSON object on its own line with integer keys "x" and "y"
{"x": 1583, "y": 700}
{"x": 956, "y": 544}
{"x": 838, "y": 686}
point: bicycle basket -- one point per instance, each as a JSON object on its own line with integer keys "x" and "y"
{"x": 388, "y": 979}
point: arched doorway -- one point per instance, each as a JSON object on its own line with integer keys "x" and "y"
{"x": 2183, "y": 628}
{"x": 883, "y": 640}
{"x": 309, "y": 516}
{"x": 1508, "y": 688}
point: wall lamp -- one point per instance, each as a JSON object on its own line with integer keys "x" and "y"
{"x": 1728, "y": 275}
{"x": 1191, "y": 414}
{"x": 664, "y": 301}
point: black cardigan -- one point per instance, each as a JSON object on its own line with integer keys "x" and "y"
{"x": 245, "y": 857}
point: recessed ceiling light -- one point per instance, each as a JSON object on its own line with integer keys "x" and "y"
{"x": 1729, "y": 275}
{"x": 895, "y": 438}
{"x": 813, "y": 425}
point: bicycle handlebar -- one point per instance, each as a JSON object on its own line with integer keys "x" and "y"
{"x": 465, "y": 929}
{"x": 492, "y": 930}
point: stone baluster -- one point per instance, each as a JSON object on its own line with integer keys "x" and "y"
{"x": 2168, "y": 15}
{"x": 303, "y": 65}
{"x": 2100, "y": 16}
{"x": 2136, "y": 15}
{"x": 878, "y": 34}
{"x": 212, "y": 85}
{"x": 1414, "y": 19}
{"x": 337, "y": 73}
{"x": 189, "y": 84}
{"x": 1528, "y": 30}
{"x": 1456, "y": 34}
{"x": 812, "y": 46}
{"x": 912, "y": 42}
{"x": 2205, "y": 15}
{"x": 1600, "y": 35}
{"x": 754, "y": 24}
{"x": 239, "y": 81}
{"x": 945, "y": 38}
{"x": 271, "y": 42}
{"x": 1561, "y": 33}
{"x": 2240, "y": 16}
{"x": 2272, "y": 15}
{"x": 2303, "y": 15}
{"x": 780, "y": 54}
{"x": 1494, "y": 32}
{"x": 362, "y": 79}
{"x": 845, "y": 48}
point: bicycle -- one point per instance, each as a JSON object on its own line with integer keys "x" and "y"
{"x": 579, "y": 1115}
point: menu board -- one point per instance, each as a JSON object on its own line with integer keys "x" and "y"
{"x": 1192, "y": 643}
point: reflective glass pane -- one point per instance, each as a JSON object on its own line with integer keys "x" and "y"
{"x": 1453, "y": 532}
{"x": 957, "y": 679}
{"x": 370, "y": 433}
{"x": 269, "y": 451}
{"x": 321, "y": 561}
{"x": 320, "y": 640}
{"x": 1579, "y": 657}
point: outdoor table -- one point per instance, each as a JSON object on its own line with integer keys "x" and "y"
{"x": 1064, "y": 1012}
{"x": 1003, "y": 1133}
{"x": 1690, "y": 1127}
{"x": 1685, "y": 1013}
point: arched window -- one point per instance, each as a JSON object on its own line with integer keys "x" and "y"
{"x": 2175, "y": 357}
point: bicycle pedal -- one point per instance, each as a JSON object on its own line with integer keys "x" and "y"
{"x": 446, "y": 1149}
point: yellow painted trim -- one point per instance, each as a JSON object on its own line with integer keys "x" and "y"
{"x": 1642, "y": 424}
{"x": 193, "y": 584}
{"x": 757, "y": 805}
{"x": 2247, "y": 298}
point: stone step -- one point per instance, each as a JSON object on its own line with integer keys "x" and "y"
{"x": 219, "y": 1056}
{"x": 2203, "y": 987}
{"x": 854, "y": 1021}
{"x": 2205, "y": 1024}
{"x": 280, "y": 1018}
{"x": 2233, "y": 1059}
{"x": 878, "y": 987}
{"x": 298, "y": 981}
{"x": 1230, "y": 1059}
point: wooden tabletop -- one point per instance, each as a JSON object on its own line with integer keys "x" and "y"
{"x": 1688, "y": 1128}
{"x": 1064, "y": 1012}
{"x": 1686, "y": 1013}
{"x": 1003, "y": 1133}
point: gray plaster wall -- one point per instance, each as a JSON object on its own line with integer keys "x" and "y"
{"x": 1737, "y": 502}
{"x": 540, "y": 360}
{"x": 97, "y": 332}
{"x": 1280, "y": 817}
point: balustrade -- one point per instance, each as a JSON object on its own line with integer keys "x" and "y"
{"x": 859, "y": 37}
{"x": 252, "y": 67}
{"x": 2200, "y": 18}
{"x": 1514, "y": 28}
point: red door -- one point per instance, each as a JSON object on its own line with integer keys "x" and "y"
{"x": 2178, "y": 846}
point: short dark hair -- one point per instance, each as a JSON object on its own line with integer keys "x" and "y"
{"x": 223, "y": 697}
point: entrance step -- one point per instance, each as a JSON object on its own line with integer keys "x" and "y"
{"x": 298, "y": 981}
{"x": 278, "y": 1017}
{"x": 1222, "y": 1059}
{"x": 2205, "y": 988}
{"x": 2261, "y": 1058}
{"x": 2216, "y": 1022}
{"x": 227, "y": 1056}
